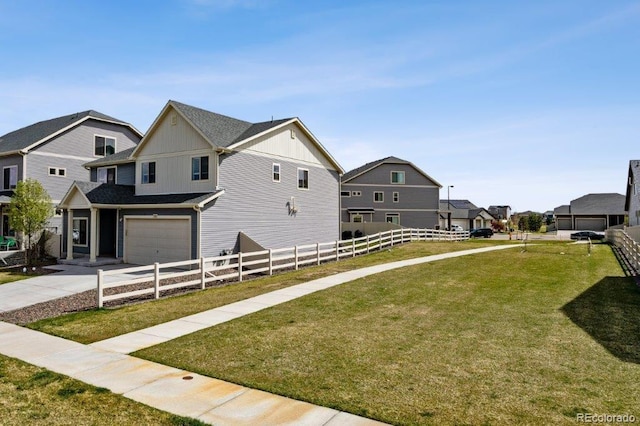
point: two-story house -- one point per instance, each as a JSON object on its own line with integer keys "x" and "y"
{"x": 390, "y": 190}
{"x": 199, "y": 184}
{"x": 593, "y": 212}
{"x": 54, "y": 153}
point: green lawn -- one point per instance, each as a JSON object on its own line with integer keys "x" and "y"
{"x": 95, "y": 325}
{"x": 31, "y": 395}
{"x": 507, "y": 337}
{"x": 9, "y": 277}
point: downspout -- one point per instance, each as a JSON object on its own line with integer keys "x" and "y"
{"x": 198, "y": 234}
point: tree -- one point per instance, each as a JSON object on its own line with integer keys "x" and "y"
{"x": 29, "y": 210}
{"x": 535, "y": 222}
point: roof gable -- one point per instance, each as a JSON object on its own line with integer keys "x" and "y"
{"x": 226, "y": 133}
{"x": 29, "y": 137}
{"x": 352, "y": 174}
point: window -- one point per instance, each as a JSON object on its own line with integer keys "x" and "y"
{"x": 275, "y": 172}
{"x": 396, "y": 197}
{"x": 10, "y": 177}
{"x": 392, "y": 218}
{"x": 80, "y": 231}
{"x": 356, "y": 193}
{"x": 55, "y": 171}
{"x": 200, "y": 168}
{"x": 107, "y": 175}
{"x": 149, "y": 172}
{"x": 345, "y": 193}
{"x": 357, "y": 218}
{"x": 104, "y": 145}
{"x": 378, "y": 197}
{"x": 397, "y": 178}
{"x": 303, "y": 179}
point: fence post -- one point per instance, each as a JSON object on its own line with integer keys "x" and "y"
{"x": 100, "y": 285}
{"x": 202, "y": 273}
{"x": 337, "y": 250}
{"x": 318, "y": 252}
{"x": 270, "y": 261}
{"x": 367, "y": 244}
{"x": 239, "y": 266}
{"x": 295, "y": 255}
{"x": 353, "y": 247}
{"x": 392, "y": 238}
{"x": 156, "y": 279}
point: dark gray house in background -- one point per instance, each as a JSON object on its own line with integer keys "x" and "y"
{"x": 592, "y": 212}
{"x": 390, "y": 190}
{"x": 464, "y": 214}
{"x": 203, "y": 184}
{"x": 54, "y": 153}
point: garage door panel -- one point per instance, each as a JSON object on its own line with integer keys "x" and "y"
{"x": 149, "y": 240}
{"x": 591, "y": 224}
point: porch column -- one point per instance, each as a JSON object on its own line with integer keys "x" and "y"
{"x": 69, "y": 234}
{"x": 93, "y": 236}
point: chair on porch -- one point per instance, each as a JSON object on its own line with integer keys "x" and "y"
{"x": 8, "y": 243}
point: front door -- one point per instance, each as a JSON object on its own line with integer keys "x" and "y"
{"x": 108, "y": 222}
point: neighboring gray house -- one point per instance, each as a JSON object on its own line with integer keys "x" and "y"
{"x": 465, "y": 214}
{"x": 390, "y": 190}
{"x": 592, "y": 212}
{"x": 202, "y": 184}
{"x": 500, "y": 212}
{"x": 632, "y": 198}
{"x": 54, "y": 153}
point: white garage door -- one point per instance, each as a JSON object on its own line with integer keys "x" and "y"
{"x": 149, "y": 240}
{"x": 591, "y": 224}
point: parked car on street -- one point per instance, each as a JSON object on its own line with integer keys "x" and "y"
{"x": 586, "y": 235}
{"x": 457, "y": 228}
{"x": 481, "y": 232}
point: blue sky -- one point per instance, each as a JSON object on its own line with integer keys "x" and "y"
{"x": 530, "y": 104}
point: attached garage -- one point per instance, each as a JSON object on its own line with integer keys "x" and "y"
{"x": 149, "y": 239}
{"x": 591, "y": 224}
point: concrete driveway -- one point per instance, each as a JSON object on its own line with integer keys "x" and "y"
{"x": 70, "y": 279}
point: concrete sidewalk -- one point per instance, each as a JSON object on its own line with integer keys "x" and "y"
{"x": 166, "y": 388}
{"x": 69, "y": 280}
{"x": 106, "y": 363}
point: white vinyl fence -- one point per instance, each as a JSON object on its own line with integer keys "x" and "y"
{"x": 629, "y": 247}
{"x": 156, "y": 278}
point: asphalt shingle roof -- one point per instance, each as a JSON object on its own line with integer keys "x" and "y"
{"x": 221, "y": 130}
{"x": 27, "y": 136}
{"x": 102, "y": 193}
{"x": 118, "y": 157}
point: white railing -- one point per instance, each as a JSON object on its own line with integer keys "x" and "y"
{"x": 157, "y": 278}
{"x": 629, "y": 247}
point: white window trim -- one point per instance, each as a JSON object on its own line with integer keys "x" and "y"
{"x": 142, "y": 182}
{"x": 273, "y": 172}
{"x": 17, "y": 178}
{"x": 57, "y": 171}
{"x": 374, "y": 196}
{"x": 356, "y": 193}
{"x": 404, "y": 177}
{"x": 388, "y": 215}
{"x": 208, "y": 171}
{"x": 86, "y": 219}
{"x": 357, "y": 216}
{"x": 302, "y": 188}
{"x": 396, "y": 197}
{"x": 115, "y": 145}
{"x": 115, "y": 176}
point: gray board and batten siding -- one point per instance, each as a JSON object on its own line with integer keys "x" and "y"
{"x": 418, "y": 197}
{"x": 266, "y": 216}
